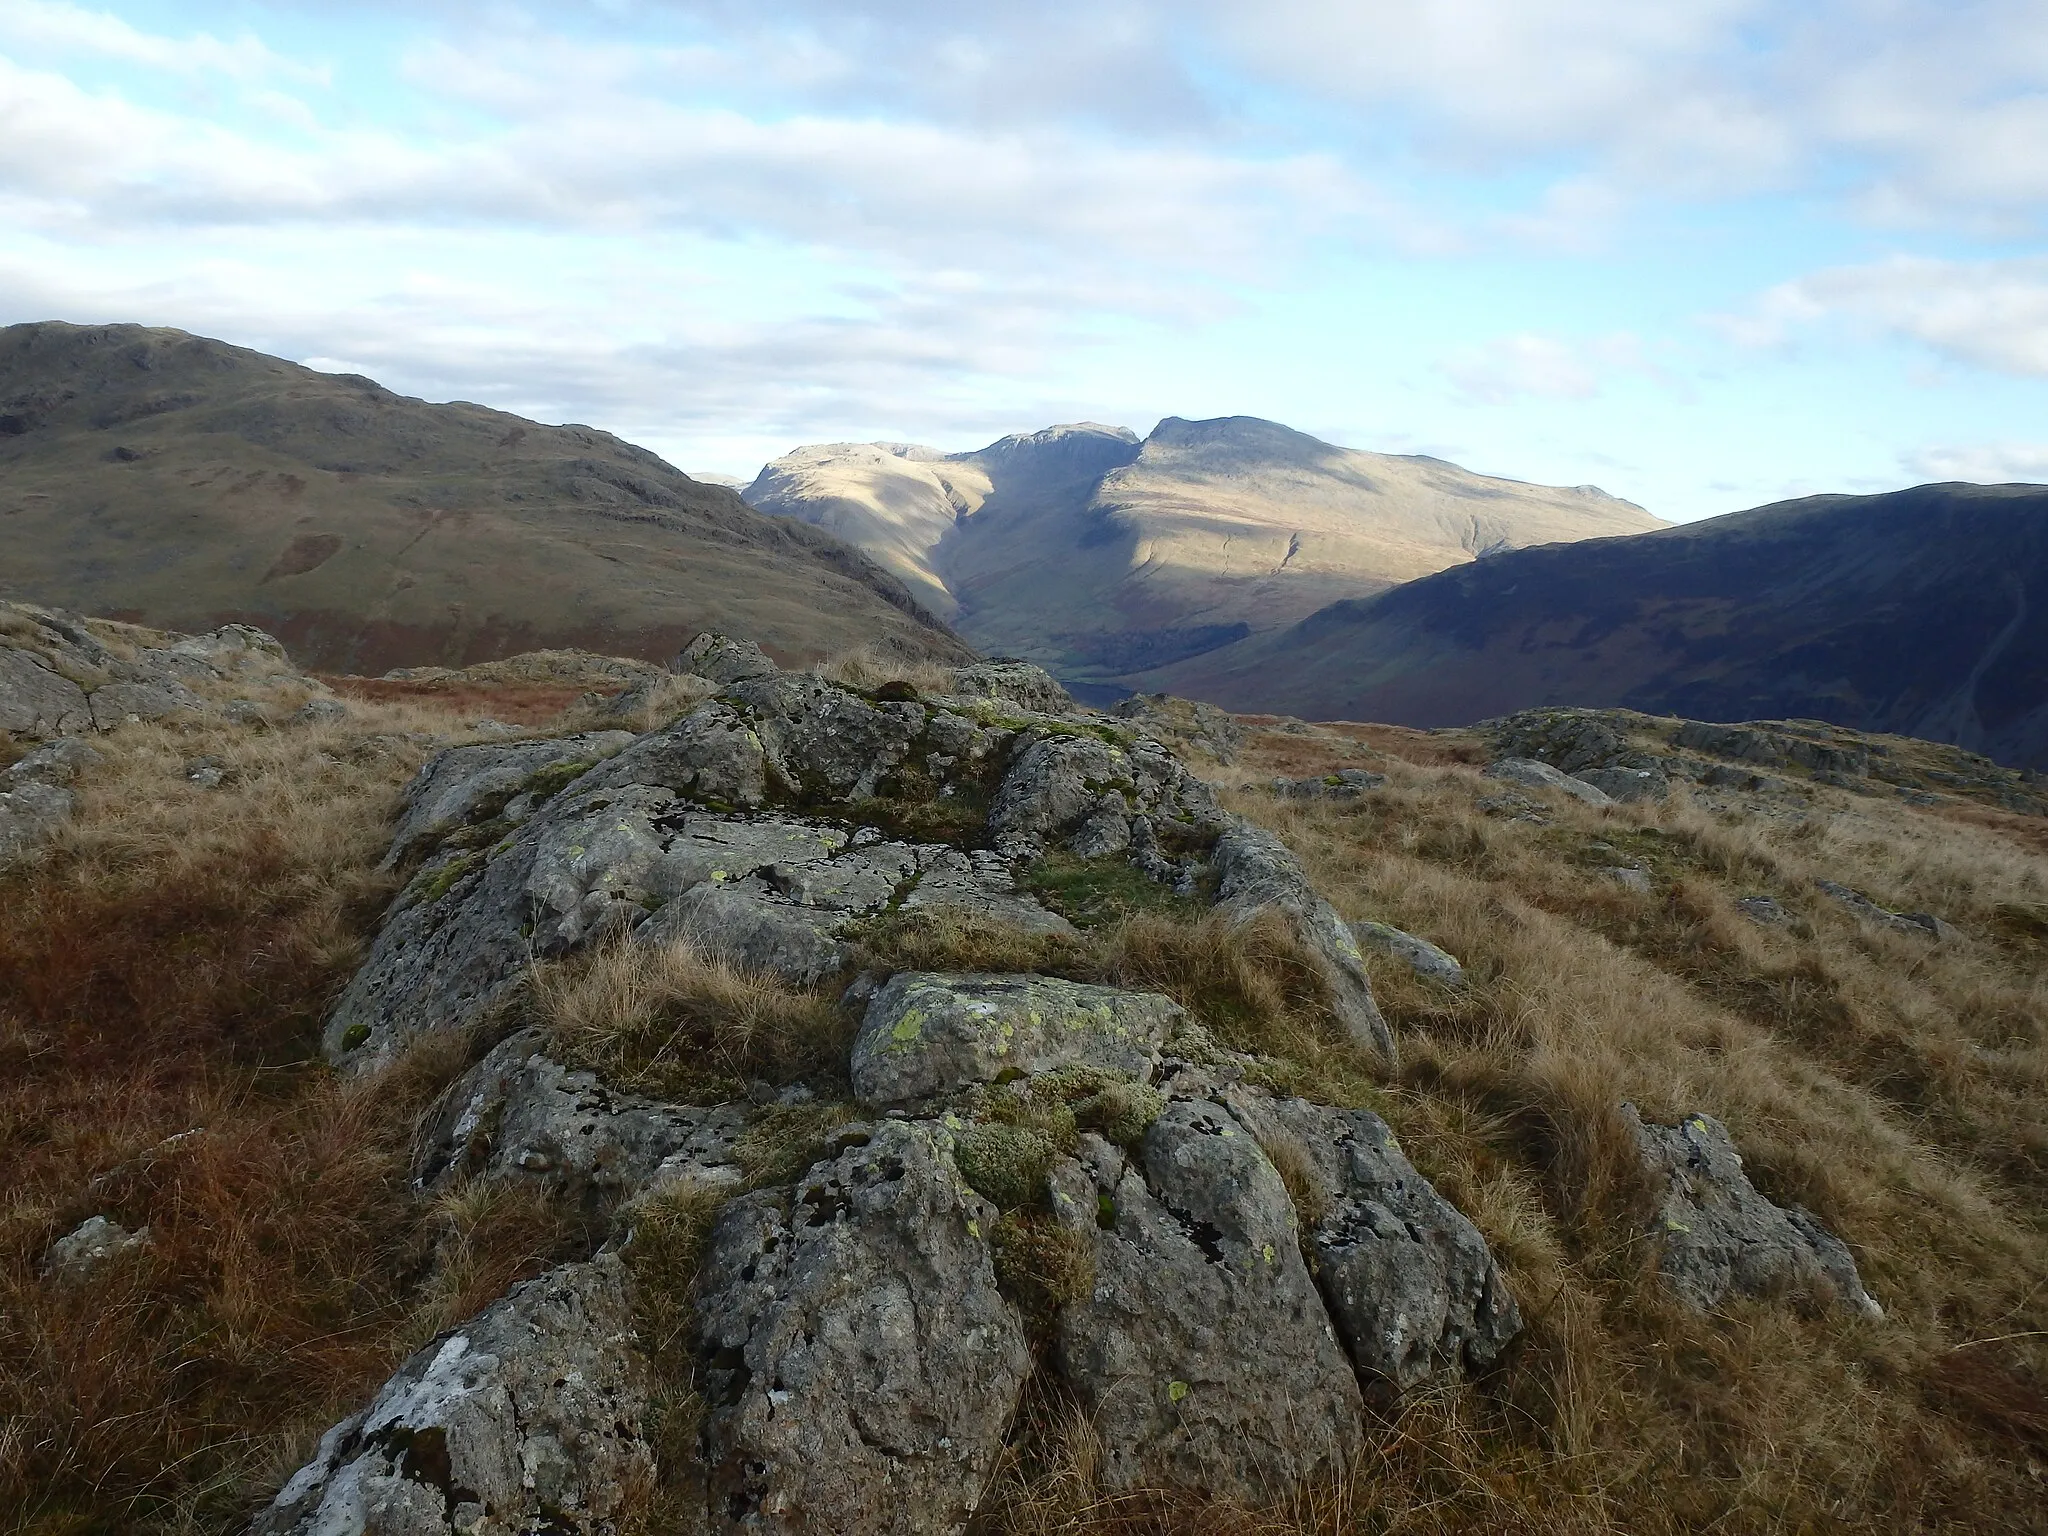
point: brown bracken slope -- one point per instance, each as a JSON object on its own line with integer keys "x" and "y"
{"x": 168, "y": 479}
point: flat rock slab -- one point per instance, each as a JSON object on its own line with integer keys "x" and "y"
{"x": 1203, "y": 1354}
{"x": 525, "y": 1419}
{"x": 858, "y": 1364}
{"x": 519, "y": 1116}
{"x": 464, "y": 785}
{"x": 1413, "y": 1289}
{"x": 928, "y": 1033}
{"x": 1715, "y": 1232}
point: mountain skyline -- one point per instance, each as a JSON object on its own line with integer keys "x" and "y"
{"x": 1705, "y": 255}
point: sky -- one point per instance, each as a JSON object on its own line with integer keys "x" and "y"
{"x": 1704, "y": 254}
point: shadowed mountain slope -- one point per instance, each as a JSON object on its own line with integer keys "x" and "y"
{"x": 173, "y": 480}
{"x": 1921, "y": 612}
{"x": 1101, "y": 556}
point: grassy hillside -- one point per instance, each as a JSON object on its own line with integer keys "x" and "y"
{"x": 165, "y": 968}
{"x": 182, "y": 482}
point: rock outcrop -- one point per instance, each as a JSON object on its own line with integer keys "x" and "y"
{"x": 862, "y": 1335}
{"x": 525, "y": 1419}
{"x": 1716, "y": 1235}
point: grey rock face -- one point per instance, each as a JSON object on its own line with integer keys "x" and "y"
{"x": 94, "y": 1244}
{"x": 1570, "y": 739}
{"x": 1717, "y": 1234}
{"x": 36, "y": 699}
{"x": 1627, "y": 785}
{"x": 858, "y": 1363}
{"x": 1409, "y": 1281}
{"x": 1421, "y": 956}
{"x": 525, "y": 1419}
{"x": 1920, "y": 924}
{"x": 1203, "y": 1355}
{"x": 1531, "y": 774}
{"x": 1344, "y": 784}
{"x": 127, "y": 703}
{"x": 1083, "y": 787}
{"x": 30, "y": 814}
{"x": 521, "y": 1117}
{"x": 1202, "y": 728}
{"x": 466, "y": 785}
{"x": 1016, "y": 682}
{"x": 822, "y": 741}
{"x": 1763, "y": 910}
{"x": 929, "y": 1034}
{"x": 1256, "y": 873}
{"x": 1774, "y": 749}
{"x": 54, "y": 762}
{"x": 722, "y": 660}
{"x": 1629, "y": 877}
{"x": 711, "y": 755}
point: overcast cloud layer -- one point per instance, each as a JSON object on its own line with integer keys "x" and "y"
{"x": 1705, "y": 253}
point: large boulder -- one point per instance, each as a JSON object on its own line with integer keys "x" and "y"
{"x": 1531, "y": 774}
{"x": 1258, "y": 874}
{"x": 36, "y": 699}
{"x": 524, "y": 1420}
{"x": 927, "y": 1034}
{"x": 1716, "y": 1234}
{"x": 1011, "y": 681}
{"x": 1410, "y": 1283}
{"x": 1202, "y": 1353}
{"x": 722, "y": 659}
{"x": 858, "y": 1365}
{"x": 521, "y": 1117}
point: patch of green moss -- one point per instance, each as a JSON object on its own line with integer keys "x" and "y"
{"x": 1005, "y": 1164}
{"x": 1042, "y": 1267}
{"x": 555, "y": 777}
{"x": 444, "y": 879}
{"x": 1093, "y": 893}
{"x": 354, "y": 1036}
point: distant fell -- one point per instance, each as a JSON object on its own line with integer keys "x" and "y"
{"x": 1102, "y": 556}
{"x": 1921, "y": 612}
{"x": 181, "y": 482}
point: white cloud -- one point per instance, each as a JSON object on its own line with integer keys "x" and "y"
{"x": 1987, "y": 314}
{"x": 1545, "y": 367}
{"x": 52, "y": 26}
{"x": 1981, "y": 463}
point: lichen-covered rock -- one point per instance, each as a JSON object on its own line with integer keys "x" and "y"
{"x": 858, "y": 1364}
{"x": 722, "y": 659}
{"x": 1203, "y": 1355}
{"x": 54, "y": 762}
{"x": 1410, "y": 1283}
{"x": 30, "y": 814}
{"x": 1016, "y": 682}
{"x": 1093, "y": 790}
{"x": 926, "y": 1033}
{"x": 711, "y": 755}
{"x": 124, "y": 703}
{"x": 1775, "y": 748}
{"x": 36, "y": 699}
{"x": 1344, "y": 784}
{"x": 464, "y": 786}
{"x": 1531, "y": 774}
{"x": 524, "y": 1420}
{"x": 1626, "y": 786}
{"x": 522, "y": 1117}
{"x": 1257, "y": 873}
{"x": 1716, "y": 1234}
{"x": 94, "y": 1244}
{"x": 1923, "y": 925}
{"x": 824, "y": 742}
{"x": 1202, "y": 728}
{"x": 1419, "y": 955}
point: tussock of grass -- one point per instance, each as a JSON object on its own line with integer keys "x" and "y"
{"x": 951, "y": 939}
{"x": 870, "y": 667}
{"x": 668, "y": 1021}
{"x": 1092, "y": 893}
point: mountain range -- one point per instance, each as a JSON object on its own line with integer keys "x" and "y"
{"x": 176, "y": 481}
{"x": 1921, "y": 612}
{"x": 1103, "y": 556}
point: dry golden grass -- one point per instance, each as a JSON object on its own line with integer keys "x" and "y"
{"x": 163, "y": 970}
{"x": 870, "y": 666}
{"x": 668, "y": 1021}
{"x": 1896, "y": 1087}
